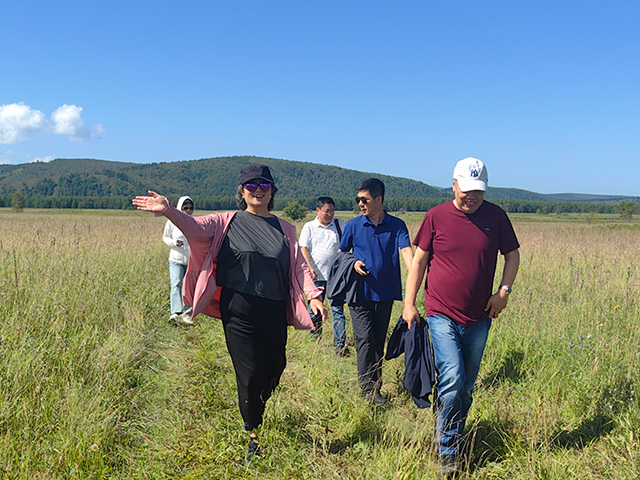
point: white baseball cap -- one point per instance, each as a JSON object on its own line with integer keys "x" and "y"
{"x": 471, "y": 174}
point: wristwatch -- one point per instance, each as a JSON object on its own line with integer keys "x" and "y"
{"x": 506, "y": 288}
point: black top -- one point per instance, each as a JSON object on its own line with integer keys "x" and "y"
{"x": 254, "y": 257}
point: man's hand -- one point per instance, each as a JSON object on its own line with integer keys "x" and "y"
{"x": 360, "y": 268}
{"x": 410, "y": 315}
{"x": 496, "y": 303}
{"x": 318, "y": 306}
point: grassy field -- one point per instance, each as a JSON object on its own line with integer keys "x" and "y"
{"x": 95, "y": 384}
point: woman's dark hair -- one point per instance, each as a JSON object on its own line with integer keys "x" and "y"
{"x": 242, "y": 205}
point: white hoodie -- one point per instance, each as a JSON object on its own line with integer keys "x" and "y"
{"x": 172, "y": 234}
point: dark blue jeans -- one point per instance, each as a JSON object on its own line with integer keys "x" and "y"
{"x": 458, "y": 352}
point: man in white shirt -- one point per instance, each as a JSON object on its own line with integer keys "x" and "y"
{"x": 319, "y": 242}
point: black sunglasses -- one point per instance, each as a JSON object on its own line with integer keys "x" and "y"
{"x": 187, "y": 207}
{"x": 365, "y": 200}
{"x": 252, "y": 187}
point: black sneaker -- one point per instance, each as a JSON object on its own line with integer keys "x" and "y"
{"x": 252, "y": 452}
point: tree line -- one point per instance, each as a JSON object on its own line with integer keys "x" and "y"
{"x": 203, "y": 202}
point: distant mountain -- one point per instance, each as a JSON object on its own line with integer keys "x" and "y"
{"x": 206, "y": 177}
{"x": 217, "y": 177}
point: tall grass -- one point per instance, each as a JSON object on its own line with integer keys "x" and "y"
{"x": 95, "y": 384}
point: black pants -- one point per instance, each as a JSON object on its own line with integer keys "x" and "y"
{"x": 255, "y": 329}
{"x": 370, "y": 324}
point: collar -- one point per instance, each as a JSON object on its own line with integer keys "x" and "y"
{"x": 316, "y": 223}
{"x": 384, "y": 220}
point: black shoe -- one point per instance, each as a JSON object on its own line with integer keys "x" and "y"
{"x": 343, "y": 351}
{"x": 448, "y": 465}
{"x": 378, "y": 399}
{"x": 252, "y": 452}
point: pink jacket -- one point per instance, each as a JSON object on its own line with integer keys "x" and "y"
{"x": 205, "y": 235}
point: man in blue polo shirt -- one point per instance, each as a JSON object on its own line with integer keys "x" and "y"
{"x": 375, "y": 238}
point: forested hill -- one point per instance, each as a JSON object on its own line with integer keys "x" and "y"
{"x": 206, "y": 177}
{"x": 216, "y": 178}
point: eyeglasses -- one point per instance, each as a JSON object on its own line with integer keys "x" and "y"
{"x": 187, "y": 207}
{"x": 365, "y": 200}
{"x": 252, "y": 187}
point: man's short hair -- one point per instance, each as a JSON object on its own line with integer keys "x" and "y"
{"x": 374, "y": 186}
{"x": 322, "y": 201}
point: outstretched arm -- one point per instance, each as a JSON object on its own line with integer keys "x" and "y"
{"x": 196, "y": 229}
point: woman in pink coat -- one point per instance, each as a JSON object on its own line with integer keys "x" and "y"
{"x": 246, "y": 268}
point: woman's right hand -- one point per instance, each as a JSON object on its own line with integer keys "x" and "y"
{"x": 154, "y": 203}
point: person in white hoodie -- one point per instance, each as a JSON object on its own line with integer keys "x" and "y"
{"x": 178, "y": 260}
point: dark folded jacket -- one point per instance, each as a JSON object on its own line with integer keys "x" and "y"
{"x": 344, "y": 284}
{"x": 419, "y": 366}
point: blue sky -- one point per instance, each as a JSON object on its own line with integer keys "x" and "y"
{"x": 546, "y": 93}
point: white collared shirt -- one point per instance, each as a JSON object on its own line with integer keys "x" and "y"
{"x": 322, "y": 242}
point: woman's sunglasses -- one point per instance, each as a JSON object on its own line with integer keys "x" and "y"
{"x": 252, "y": 187}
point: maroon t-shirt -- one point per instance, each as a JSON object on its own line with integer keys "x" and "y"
{"x": 463, "y": 251}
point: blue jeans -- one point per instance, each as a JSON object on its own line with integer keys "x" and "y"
{"x": 337, "y": 314}
{"x": 176, "y": 274}
{"x": 458, "y": 352}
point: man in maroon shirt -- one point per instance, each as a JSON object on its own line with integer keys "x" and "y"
{"x": 458, "y": 245}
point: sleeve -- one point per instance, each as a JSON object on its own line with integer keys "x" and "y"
{"x": 403, "y": 235}
{"x": 167, "y": 236}
{"x": 424, "y": 237}
{"x": 346, "y": 243}
{"x": 305, "y": 236}
{"x": 197, "y": 230}
{"x": 508, "y": 240}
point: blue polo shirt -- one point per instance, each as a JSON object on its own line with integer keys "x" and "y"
{"x": 377, "y": 246}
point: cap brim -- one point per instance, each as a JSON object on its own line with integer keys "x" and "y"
{"x": 469, "y": 184}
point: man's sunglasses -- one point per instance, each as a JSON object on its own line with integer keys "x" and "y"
{"x": 252, "y": 187}
{"x": 365, "y": 200}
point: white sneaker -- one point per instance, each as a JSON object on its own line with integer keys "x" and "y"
{"x": 186, "y": 319}
{"x": 174, "y": 318}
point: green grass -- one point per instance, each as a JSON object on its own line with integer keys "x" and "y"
{"x": 95, "y": 384}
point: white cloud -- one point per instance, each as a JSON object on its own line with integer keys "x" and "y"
{"x": 100, "y": 130}
{"x": 67, "y": 120}
{"x": 19, "y": 122}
